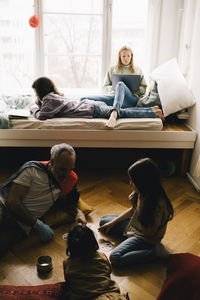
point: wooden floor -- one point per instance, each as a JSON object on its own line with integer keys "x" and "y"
{"x": 107, "y": 191}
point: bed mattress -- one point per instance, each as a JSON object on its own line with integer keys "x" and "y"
{"x": 81, "y": 123}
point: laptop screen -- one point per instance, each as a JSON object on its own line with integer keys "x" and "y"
{"x": 132, "y": 81}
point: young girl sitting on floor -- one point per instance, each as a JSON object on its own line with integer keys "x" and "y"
{"x": 87, "y": 270}
{"x": 144, "y": 224}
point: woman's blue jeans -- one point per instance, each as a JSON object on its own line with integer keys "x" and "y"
{"x": 123, "y": 97}
{"x": 133, "y": 250}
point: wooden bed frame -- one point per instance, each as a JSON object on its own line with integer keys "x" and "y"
{"x": 172, "y": 136}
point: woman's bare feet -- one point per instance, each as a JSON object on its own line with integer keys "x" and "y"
{"x": 158, "y": 112}
{"x": 111, "y": 123}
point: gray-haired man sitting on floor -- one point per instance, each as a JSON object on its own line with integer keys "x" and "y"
{"x": 30, "y": 192}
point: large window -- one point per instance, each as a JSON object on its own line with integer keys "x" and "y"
{"x": 81, "y": 39}
{"x": 74, "y": 45}
{"x": 72, "y": 32}
{"x": 129, "y": 19}
{"x": 16, "y": 46}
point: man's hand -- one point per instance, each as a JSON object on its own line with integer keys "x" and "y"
{"x": 45, "y": 232}
{"x": 80, "y": 217}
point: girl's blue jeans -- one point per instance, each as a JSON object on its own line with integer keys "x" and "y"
{"x": 133, "y": 250}
{"x": 101, "y": 110}
{"x": 123, "y": 97}
{"x": 123, "y": 101}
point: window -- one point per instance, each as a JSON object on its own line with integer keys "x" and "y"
{"x": 128, "y": 28}
{"x": 72, "y": 32}
{"x": 16, "y": 46}
{"x": 75, "y": 43}
{"x": 77, "y": 38}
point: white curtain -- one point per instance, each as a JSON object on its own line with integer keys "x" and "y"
{"x": 16, "y": 47}
{"x": 186, "y": 36}
{"x": 163, "y": 31}
{"x": 153, "y": 33}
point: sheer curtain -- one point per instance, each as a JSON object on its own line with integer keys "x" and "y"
{"x": 163, "y": 31}
{"x": 16, "y": 46}
{"x": 153, "y": 34}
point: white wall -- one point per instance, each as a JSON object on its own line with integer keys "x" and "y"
{"x": 194, "y": 83}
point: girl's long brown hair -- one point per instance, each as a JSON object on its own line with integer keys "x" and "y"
{"x": 145, "y": 174}
{"x": 44, "y": 86}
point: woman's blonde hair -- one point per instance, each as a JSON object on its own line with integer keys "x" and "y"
{"x": 119, "y": 65}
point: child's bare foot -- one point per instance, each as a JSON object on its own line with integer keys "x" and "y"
{"x": 156, "y": 107}
{"x": 158, "y": 112}
{"x": 111, "y": 123}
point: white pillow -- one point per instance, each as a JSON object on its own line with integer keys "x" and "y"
{"x": 172, "y": 88}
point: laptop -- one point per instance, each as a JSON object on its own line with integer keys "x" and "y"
{"x": 132, "y": 81}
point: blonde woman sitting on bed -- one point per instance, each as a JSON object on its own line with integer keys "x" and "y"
{"x": 125, "y": 65}
{"x": 52, "y": 104}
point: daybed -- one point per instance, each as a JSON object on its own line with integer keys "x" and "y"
{"x": 169, "y": 90}
{"x": 92, "y": 133}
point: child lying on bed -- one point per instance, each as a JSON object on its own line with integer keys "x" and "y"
{"x": 52, "y": 104}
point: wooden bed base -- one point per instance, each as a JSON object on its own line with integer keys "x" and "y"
{"x": 173, "y": 136}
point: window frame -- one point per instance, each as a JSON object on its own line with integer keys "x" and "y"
{"x": 106, "y": 37}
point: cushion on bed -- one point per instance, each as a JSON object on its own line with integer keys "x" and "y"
{"x": 84, "y": 124}
{"x": 38, "y": 292}
{"x": 152, "y": 99}
{"x": 183, "y": 278}
{"x": 56, "y": 216}
{"x": 172, "y": 88}
{"x": 18, "y": 101}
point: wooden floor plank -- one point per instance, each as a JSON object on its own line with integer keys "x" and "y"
{"x": 107, "y": 192}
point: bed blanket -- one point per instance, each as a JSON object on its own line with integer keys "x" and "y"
{"x": 4, "y": 121}
{"x": 8, "y": 102}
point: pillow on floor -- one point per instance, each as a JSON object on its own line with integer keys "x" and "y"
{"x": 172, "y": 88}
{"x": 55, "y": 216}
{"x": 38, "y": 292}
{"x": 183, "y": 278}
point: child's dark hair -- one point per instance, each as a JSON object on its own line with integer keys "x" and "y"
{"x": 81, "y": 242}
{"x": 146, "y": 176}
{"x": 44, "y": 86}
